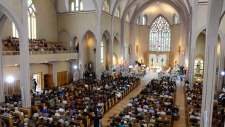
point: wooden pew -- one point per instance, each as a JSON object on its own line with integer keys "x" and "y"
{"x": 8, "y": 119}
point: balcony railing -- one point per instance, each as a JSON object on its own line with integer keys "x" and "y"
{"x": 36, "y": 52}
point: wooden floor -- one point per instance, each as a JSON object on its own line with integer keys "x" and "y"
{"x": 179, "y": 101}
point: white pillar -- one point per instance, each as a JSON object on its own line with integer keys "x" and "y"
{"x": 221, "y": 67}
{"x": 214, "y": 12}
{"x": 193, "y": 40}
{"x": 24, "y": 60}
{"x": 2, "y": 95}
{"x": 111, "y": 54}
{"x": 98, "y": 45}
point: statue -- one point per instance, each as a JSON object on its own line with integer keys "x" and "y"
{"x": 198, "y": 67}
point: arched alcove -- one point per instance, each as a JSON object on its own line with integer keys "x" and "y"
{"x": 89, "y": 50}
{"x": 105, "y": 51}
{"x": 75, "y": 44}
{"x": 117, "y": 48}
{"x": 64, "y": 38}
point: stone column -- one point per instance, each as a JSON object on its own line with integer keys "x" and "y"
{"x": 111, "y": 54}
{"x": 24, "y": 60}
{"x": 98, "y": 45}
{"x": 221, "y": 67}
{"x": 214, "y": 12}
{"x": 193, "y": 40}
{"x": 2, "y": 95}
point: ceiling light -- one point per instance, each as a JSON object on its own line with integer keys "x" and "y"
{"x": 157, "y": 2}
{"x": 46, "y": 61}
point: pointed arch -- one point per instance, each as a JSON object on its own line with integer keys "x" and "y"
{"x": 160, "y": 35}
{"x": 11, "y": 14}
{"x": 106, "y": 6}
{"x": 158, "y": 17}
{"x": 106, "y": 33}
{"x": 116, "y": 34}
{"x": 66, "y": 31}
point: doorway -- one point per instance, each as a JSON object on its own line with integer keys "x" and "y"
{"x": 38, "y": 77}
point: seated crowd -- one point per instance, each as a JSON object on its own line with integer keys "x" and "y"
{"x": 34, "y": 45}
{"x": 153, "y": 107}
{"x": 76, "y": 104}
{"x": 194, "y": 101}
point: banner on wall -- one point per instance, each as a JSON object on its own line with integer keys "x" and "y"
{"x": 118, "y": 69}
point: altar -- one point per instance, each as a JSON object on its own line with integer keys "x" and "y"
{"x": 155, "y": 69}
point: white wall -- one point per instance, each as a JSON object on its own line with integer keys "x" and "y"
{"x": 46, "y": 19}
{"x": 202, "y": 16}
{"x": 200, "y": 45}
{"x": 11, "y": 71}
{"x": 60, "y": 67}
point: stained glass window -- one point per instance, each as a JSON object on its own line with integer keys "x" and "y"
{"x": 15, "y": 33}
{"x": 72, "y": 6}
{"x": 106, "y": 6}
{"x": 31, "y": 20}
{"x": 117, "y": 14}
{"x": 198, "y": 68}
{"x": 159, "y": 38}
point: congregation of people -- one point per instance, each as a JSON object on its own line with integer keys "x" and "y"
{"x": 34, "y": 45}
{"x": 76, "y": 104}
{"x": 152, "y": 107}
{"x": 194, "y": 101}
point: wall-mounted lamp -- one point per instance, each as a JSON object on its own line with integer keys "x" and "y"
{"x": 137, "y": 50}
{"x": 178, "y": 49}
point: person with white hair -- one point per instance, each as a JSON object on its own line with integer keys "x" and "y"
{"x": 26, "y": 119}
{"x": 57, "y": 113}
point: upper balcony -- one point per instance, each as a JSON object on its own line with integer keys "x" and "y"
{"x": 11, "y": 58}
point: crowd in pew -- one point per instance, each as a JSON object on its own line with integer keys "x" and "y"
{"x": 153, "y": 107}
{"x": 194, "y": 101}
{"x": 75, "y": 104}
{"x": 34, "y": 45}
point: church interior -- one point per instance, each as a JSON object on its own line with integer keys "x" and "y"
{"x": 137, "y": 63}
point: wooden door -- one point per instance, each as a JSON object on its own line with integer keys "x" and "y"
{"x": 62, "y": 78}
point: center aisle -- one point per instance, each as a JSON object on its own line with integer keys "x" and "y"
{"x": 123, "y": 103}
{"x": 180, "y": 100}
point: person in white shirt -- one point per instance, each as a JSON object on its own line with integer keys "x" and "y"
{"x": 129, "y": 104}
{"x": 57, "y": 113}
{"x": 139, "y": 109}
{"x": 61, "y": 109}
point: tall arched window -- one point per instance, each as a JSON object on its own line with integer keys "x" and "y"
{"x": 72, "y": 6}
{"x": 31, "y": 20}
{"x": 137, "y": 21}
{"x": 127, "y": 18}
{"x": 159, "y": 38}
{"x": 81, "y": 6}
{"x": 102, "y": 52}
{"x": 78, "y": 5}
{"x": 117, "y": 14}
{"x": 106, "y": 6}
{"x": 144, "y": 20}
{"x": 15, "y": 33}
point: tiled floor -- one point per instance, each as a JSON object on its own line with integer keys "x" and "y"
{"x": 179, "y": 101}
